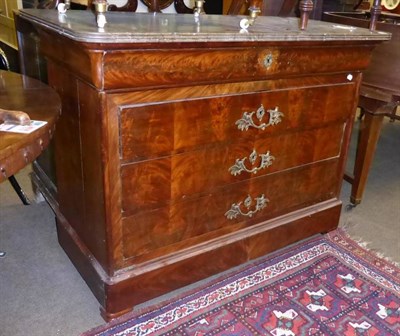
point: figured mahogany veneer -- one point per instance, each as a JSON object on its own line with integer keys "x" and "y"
{"x": 178, "y": 160}
{"x": 150, "y": 184}
{"x": 193, "y": 220}
{"x": 213, "y": 120}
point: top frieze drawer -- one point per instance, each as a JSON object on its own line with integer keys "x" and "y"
{"x": 180, "y": 67}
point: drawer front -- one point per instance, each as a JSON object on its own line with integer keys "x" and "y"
{"x": 225, "y": 210}
{"x": 163, "y": 129}
{"x": 181, "y": 67}
{"x": 155, "y": 183}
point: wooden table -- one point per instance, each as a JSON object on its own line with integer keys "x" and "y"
{"x": 23, "y": 99}
{"x": 39, "y": 102}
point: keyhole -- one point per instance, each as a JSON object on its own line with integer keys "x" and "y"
{"x": 268, "y": 60}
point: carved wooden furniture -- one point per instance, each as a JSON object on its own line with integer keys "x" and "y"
{"x": 186, "y": 147}
{"x": 379, "y": 93}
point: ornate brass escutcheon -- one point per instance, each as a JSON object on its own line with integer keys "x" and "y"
{"x": 275, "y": 117}
{"x": 239, "y": 166}
{"x": 235, "y": 210}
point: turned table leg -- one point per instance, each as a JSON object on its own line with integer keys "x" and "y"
{"x": 367, "y": 140}
{"x": 375, "y": 13}
{"x": 306, "y": 7}
{"x": 154, "y": 6}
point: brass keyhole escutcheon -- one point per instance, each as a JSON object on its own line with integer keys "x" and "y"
{"x": 268, "y": 60}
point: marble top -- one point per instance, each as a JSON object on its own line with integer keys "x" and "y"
{"x": 124, "y": 27}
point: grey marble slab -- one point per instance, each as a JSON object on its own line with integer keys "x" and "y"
{"x": 123, "y": 27}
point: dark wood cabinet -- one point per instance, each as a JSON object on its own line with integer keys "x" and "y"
{"x": 188, "y": 147}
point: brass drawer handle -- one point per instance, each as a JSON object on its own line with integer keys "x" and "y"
{"x": 275, "y": 117}
{"x": 235, "y": 210}
{"x": 239, "y": 166}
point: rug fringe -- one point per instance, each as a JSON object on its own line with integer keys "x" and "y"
{"x": 366, "y": 244}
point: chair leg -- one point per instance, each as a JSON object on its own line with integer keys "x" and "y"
{"x": 18, "y": 190}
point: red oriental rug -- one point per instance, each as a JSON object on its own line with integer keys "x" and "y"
{"x": 327, "y": 285}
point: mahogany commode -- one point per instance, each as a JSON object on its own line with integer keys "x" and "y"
{"x": 187, "y": 146}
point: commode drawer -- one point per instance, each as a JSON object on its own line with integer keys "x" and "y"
{"x": 163, "y": 129}
{"x": 224, "y": 210}
{"x": 181, "y": 67}
{"x": 154, "y": 183}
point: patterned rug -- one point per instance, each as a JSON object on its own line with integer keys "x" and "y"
{"x": 327, "y": 285}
